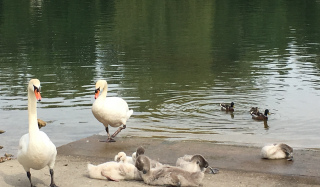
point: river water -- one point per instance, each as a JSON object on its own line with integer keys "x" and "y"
{"x": 172, "y": 61}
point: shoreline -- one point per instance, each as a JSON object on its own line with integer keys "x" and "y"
{"x": 238, "y": 165}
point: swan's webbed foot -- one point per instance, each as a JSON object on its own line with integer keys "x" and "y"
{"x": 110, "y": 140}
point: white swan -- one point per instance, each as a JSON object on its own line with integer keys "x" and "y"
{"x": 112, "y": 111}
{"x": 35, "y": 148}
{"x": 166, "y": 175}
{"x": 277, "y": 151}
{"x": 114, "y": 171}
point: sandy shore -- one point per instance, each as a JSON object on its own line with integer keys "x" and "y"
{"x": 239, "y": 165}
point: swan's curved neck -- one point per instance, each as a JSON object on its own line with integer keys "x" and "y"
{"x": 104, "y": 90}
{"x": 32, "y": 113}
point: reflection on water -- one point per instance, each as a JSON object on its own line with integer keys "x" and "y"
{"x": 173, "y": 63}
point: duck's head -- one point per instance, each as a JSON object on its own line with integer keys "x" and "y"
{"x": 266, "y": 112}
{"x": 100, "y": 85}
{"x": 232, "y": 104}
{"x": 41, "y": 123}
{"x": 143, "y": 164}
{"x": 34, "y": 86}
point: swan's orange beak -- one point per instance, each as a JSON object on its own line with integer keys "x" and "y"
{"x": 37, "y": 93}
{"x": 96, "y": 95}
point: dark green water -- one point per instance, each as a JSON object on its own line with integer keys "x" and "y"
{"x": 172, "y": 61}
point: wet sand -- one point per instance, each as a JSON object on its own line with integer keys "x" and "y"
{"x": 238, "y": 165}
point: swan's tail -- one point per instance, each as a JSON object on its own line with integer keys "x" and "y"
{"x": 129, "y": 113}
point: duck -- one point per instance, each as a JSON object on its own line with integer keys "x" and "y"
{"x": 41, "y": 123}
{"x": 226, "y": 107}
{"x": 36, "y": 150}
{"x": 113, "y": 111}
{"x": 194, "y": 163}
{"x": 260, "y": 116}
{"x": 254, "y": 110}
{"x": 277, "y": 151}
{"x": 167, "y": 175}
{"x": 114, "y": 171}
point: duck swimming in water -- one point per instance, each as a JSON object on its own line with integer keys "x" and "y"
{"x": 226, "y": 107}
{"x": 260, "y": 116}
{"x": 254, "y": 110}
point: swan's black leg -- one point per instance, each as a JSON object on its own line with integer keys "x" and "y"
{"x": 108, "y": 139}
{"x": 117, "y": 132}
{"x": 29, "y": 177}
{"x": 52, "y": 181}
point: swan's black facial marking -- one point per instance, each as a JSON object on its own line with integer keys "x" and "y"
{"x": 96, "y": 90}
{"x": 36, "y": 88}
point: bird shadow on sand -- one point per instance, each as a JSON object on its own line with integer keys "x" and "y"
{"x": 21, "y": 180}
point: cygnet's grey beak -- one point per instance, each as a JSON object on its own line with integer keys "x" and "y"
{"x": 290, "y": 157}
{"x": 213, "y": 171}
